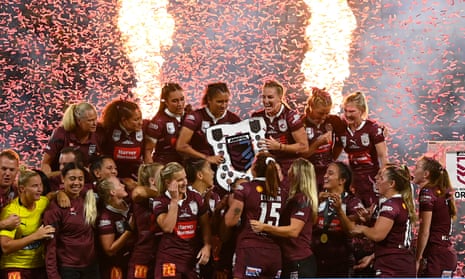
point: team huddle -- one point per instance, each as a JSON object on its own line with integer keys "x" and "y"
{"x": 125, "y": 197}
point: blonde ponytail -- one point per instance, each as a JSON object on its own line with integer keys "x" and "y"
{"x": 90, "y": 208}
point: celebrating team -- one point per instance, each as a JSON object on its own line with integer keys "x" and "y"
{"x": 135, "y": 198}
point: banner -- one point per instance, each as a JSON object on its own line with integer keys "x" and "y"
{"x": 455, "y": 165}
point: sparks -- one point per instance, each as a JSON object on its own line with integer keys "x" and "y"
{"x": 329, "y": 34}
{"x": 146, "y": 29}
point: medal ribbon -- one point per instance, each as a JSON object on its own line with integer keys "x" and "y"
{"x": 329, "y": 213}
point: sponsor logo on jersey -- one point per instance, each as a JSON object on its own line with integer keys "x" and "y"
{"x": 170, "y": 129}
{"x": 212, "y": 204}
{"x": 116, "y": 136}
{"x": 295, "y": 118}
{"x": 186, "y": 230}
{"x": 153, "y": 126}
{"x": 299, "y": 213}
{"x": 156, "y": 203}
{"x": 425, "y": 198}
{"x": 386, "y": 208}
{"x": 119, "y": 226}
{"x": 104, "y": 222}
{"x": 139, "y": 136}
{"x": 253, "y": 271}
{"x": 205, "y": 126}
{"x": 126, "y": 153}
{"x": 365, "y": 139}
{"x": 282, "y": 124}
{"x": 92, "y": 149}
{"x": 194, "y": 207}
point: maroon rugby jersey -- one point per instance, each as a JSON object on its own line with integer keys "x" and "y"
{"x": 145, "y": 246}
{"x": 61, "y": 138}
{"x": 441, "y": 223}
{"x": 112, "y": 221}
{"x": 323, "y": 156}
{"x": 210, "y": 198}
{"x": 360, "y": 147}
{"x": 337, "y": 241}
{"x": 74, "y": 242}
{"x": 6, "y": 196}
{"x": 363, "y": 158}
{"x": 393, "y": 258}
{"x": 127, "y": 150}
{"x": 293, "y": 249}
{"x": 256, "y": 207}
{"x": 280, "y": 128}
{"x": 400, "y": 235}
{"x": 180, "y": 246}
{"x": 165, "y": 127}
{"x": 198, "y": 122}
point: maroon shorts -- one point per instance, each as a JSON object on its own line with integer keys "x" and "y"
{"x": 363, "y": 186}
{"x": 24, "y": 273}
{"x": 395, "y": 265}
{"x": 257, "y": 263}
{"x": 439, "y": 260}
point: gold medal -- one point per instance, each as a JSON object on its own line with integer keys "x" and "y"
{"x": 324, "y": 238}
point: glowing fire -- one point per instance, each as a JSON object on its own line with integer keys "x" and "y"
{"x": 146, "y": 29}
{"x": 329, "y": 35}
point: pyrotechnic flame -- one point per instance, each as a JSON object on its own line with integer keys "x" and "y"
{"x": 146, "y": 29}
{"x": 329, "y": 35}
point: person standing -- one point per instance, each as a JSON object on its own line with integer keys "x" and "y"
{"x": 365, "y": 145}
{"x": 285, "y": 136}
{"x": 259, "y": 200}
{"x": 23, "y": 246}
{"x": 182, "y": 215}
{"x": 392, "y": 231}
{"x": 436, "y": 256}
{"x": 79, "y": 129}
{"x": 114, "y": 229}
{"x": 9, "y": 166}
{"x": 321, "y": 128}
{"x": 201, "y": 177}
{"x": 163, "y": 130}
{"x": 142, "y": 261}
{"x": 330, "y": 237}
{"x": 192, "y": 141}
{"x": 124, "y": 137}
{"x": 72, "y": 253}
{"x": 296, "y": 221}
